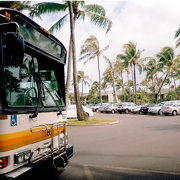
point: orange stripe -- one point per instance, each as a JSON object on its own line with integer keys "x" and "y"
{"x": 15, "y": 140}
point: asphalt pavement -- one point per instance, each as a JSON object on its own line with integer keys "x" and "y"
{"x": 138, "y": 147}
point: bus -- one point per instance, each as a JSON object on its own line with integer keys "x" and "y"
{"x": 33, "y": 126}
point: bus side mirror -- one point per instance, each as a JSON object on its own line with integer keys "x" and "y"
{"x": 14, "y": 48}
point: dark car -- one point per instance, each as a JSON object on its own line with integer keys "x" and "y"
{"x": 145, "y": 107}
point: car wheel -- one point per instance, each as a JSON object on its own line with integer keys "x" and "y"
{"x": 126, "y": 111}
{"x": 113, "y": 111}
{"x": 87, "y": 114}
{"x": 97, "y": 110}
{"x": 120, "y": 112}
{"x": 160, "y": 112}
{"x": 174, "y": 113}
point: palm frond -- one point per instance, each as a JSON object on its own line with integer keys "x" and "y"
{"x": 47, "y": 7}
{"x": 104, "y": 49}
{"x": 57, "y": 26}
{"x": 85, "y": 56}
{"x": 178, "y": 43}
{"x": 98, "y": 9}
{"x": 177, "y": 33}
{"x": 100, "y": 21}
{"x": 107, "y": 60}
{"x": 81, "y": 15}
{"x": 90, "y": 57}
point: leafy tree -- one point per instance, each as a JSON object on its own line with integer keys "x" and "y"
{"x": 167, "y": 63}
{"x": 84, "y": 79}
{"x": 131, "y": 57}
{"x": 110, "y": 76}
{"x": 172, "y": 95}
{"x": 94, "y": 93}
{"x": 89, "y": 50}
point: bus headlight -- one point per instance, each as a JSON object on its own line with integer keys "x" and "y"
{"x": 22, "y": 157}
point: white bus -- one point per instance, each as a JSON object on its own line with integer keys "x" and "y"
{"x": 33, "y": 126}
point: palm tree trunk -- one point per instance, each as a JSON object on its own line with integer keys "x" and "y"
{"x": 161, "y": 87}
{"x": 82, "y": 90}
{"x": 123, "y": 91}
{"x": 68, "y": 72}
{"x": 81, "y": 115}
{"x": 114, "y": 90}
{"x": 100, "y": 96}
{"x": 174, "y": 83}
{"x": 135, "y": 83}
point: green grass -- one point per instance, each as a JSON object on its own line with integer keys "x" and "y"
{"x": 90, "y": 121}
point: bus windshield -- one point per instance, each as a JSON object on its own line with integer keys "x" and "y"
{"x": 36, "y": 79}
{"x": 21, "y": 84}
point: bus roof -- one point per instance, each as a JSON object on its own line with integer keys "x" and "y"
{"x": 51, "y": 43}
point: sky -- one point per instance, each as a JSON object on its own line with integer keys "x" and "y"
{"x": 149, "y": 23}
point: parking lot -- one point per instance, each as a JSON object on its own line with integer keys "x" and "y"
{"x": 136, "y": 147}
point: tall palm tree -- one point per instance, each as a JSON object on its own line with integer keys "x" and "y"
{"x": 91, "y": 49}
{"x": 84, "y": 79}
{"x": 95, "y": 12}
{"x": 152, "y": 69}
{"x": 131, "y": 57}
{"x": 110, "y": 76}
{"x": 81, "y": 115}
{"x": 120, "y": 68}
{"x": 167, "y": 62}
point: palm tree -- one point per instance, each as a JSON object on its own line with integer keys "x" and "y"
{"x": 95, "y": 12}
{"x": 17, "y": 5}
{"x": 89, "y": 50}
{"x": 81, "y": 115}
{"x": 84, "y": 79}
{"x": 120, "y": 68}
{"x": 110, "y": 76}
{"x": 152, "y": 69}
{"x": 131, "y": 57}
{"x": 167, "y": 62}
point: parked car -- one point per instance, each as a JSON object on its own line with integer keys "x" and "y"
{"x": 111, "y": 108}
{"x": 96, "y": 107}
{"x": 172, "y": 108}
{"x": 125, "y": 107}
{"x": 145, "y": 107}
{"x": 136, "y": 109}
{"x": 156, "y": 109}
{"x": 71, "y": 111}
{"x": 102, "y": 107}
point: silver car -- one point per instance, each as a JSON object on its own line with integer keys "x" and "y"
{"x": 171, "y": 108}
{"x": 156, "y": 109}
{"x": 111, "y": 108}
{"x": 125, "y": 107}
{"x": 101, "y": 108}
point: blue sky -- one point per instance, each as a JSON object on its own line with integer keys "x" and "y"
{"x": 150, "y": 23}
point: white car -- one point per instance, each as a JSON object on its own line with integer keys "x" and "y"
{"x": 72, "y": 113}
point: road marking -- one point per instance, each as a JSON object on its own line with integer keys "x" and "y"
{"x": 88, "y": 173}
{"x": 134, "y": 169}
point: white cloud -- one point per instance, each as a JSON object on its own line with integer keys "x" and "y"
{"x": 150, "y": 23}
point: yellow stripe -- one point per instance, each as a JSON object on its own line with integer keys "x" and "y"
{"x": 15, "y": 140}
